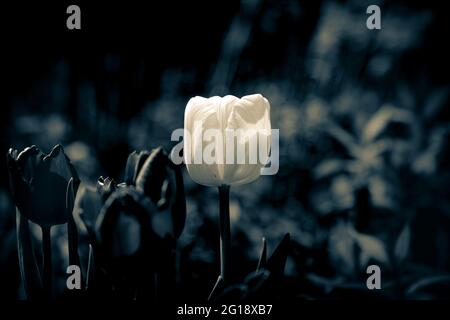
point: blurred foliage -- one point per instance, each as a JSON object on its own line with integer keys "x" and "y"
{"x": 364, "y": 140}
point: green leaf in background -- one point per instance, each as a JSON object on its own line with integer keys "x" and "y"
{"x": 29, "y": 270}
{"x": 263, "y": 256}
{"x": 401, "y": 249}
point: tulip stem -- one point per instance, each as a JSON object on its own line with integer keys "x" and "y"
{"x": 225, "y": 233}
{"x": 47, "y": 261}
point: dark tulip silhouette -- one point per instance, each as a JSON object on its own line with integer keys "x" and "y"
{"x": 39, "y": 183}
{"x": 157, "y": 177}
{"x": 89, "y": 203}
{"x": 132, "y": 247}
{"x": 43, "y": 187}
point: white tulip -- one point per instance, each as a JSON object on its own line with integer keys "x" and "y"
{"x": 234, "y": 132}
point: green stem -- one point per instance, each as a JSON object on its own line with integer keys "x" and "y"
{"x": 225, "y": 234}
{"x": 47, "y": 268}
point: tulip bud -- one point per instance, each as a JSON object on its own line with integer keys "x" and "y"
{"x": 227, "y": 139}
{"x": 154, "y": 174}
{"x": 39, "y": 182}
{"x": 134, "y": 165}
{"x": 88, "y": 203}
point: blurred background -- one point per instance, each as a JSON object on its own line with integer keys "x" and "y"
{"x": 363, "y": 116}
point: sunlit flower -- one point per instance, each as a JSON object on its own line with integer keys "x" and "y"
{"x": 227, "y": 139}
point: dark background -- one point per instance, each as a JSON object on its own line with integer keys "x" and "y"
{"x": 363, "y": 118}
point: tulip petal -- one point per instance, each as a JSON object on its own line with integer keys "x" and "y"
{"x": 60, "y": 164}
{"x": 38, "y": 183}
{"x": 134, "y": 164}
{"x": 200, "y": 112}
{"x": 152, "y": 175}
{"x": 251, "y": 114}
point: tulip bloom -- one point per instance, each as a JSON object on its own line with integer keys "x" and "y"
{"x": 235, "y": 125}
{"x": 155, "y": 175}
{"x": 39, "y": 182}
{"x": 42, "y": 186}
{"x": 241, "y": 132}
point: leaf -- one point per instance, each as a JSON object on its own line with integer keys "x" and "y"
{"x": 27, "y": 261}
{"x": 262, "y": 257}
{"x": 151, "y": 177}
{"x": 431, "y": 283}
{"x": 71, "y": 226}
{"x": 218, "y": 287}
{"x": 90, "y": 268}
{"x": 330, "y": 167}
{"x": 371, "y": 248}
{"x": 402, "y": 244}
{"x": 253, "y": 287}
{"x": 255, "y": 282}
{"x": 383, "y": 118}
{"x": 277, "y": 261}
{"x": 88, "y": 203}
{"x": 233, "y": 293}
{"x": 344, "y": 138}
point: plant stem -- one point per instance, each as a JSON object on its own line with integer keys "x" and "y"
{"x": 225, "y": 234}
{"x": 47, "y": 269}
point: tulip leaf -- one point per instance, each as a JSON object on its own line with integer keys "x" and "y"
{"x": 88, "y": 203}
{"x": 429, "y": 283}
{"x": 262, "y": 257}
{"x": 125, "y": 238}
{"x": 253, "y": 287}
{"x": 27, "y": 261}
{"x": 71, "y": 226}
{"x": 232, "y": 293}
{"x": 277, "y": 260}
{"x": 218, "y": 287}
{"x": 134, "y": 164}
{"x": 255, "y": 283}
{"x": 60, "y": 164}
